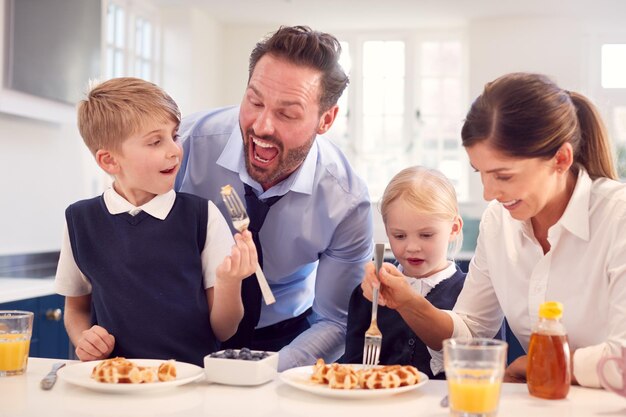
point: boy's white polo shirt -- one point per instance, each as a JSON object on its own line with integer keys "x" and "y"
{"x": 70, "y": 281}
{"x": 159, "y": 207}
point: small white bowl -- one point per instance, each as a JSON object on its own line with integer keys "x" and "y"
{"x": 240, "y": 371}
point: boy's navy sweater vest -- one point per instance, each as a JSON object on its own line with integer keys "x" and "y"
{"x": 400, "y": 345}
{"x": 146, "y": 277}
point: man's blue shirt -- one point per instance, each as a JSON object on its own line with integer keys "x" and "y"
{"x": 316, "y": 239}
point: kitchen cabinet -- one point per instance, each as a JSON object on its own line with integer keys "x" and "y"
{"x": 49, "y": 339}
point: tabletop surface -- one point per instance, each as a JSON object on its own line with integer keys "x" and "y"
{"x": 15, "y": 289}
{"x": 22, "y": 396}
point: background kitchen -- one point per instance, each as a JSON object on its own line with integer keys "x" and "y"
{"x": 414, "y": 67}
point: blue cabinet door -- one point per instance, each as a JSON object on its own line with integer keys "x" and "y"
{"x": 49, "y": 339}
{"x": 53, "y": 340}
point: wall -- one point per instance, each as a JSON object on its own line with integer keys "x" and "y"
{"x": 44, "y": 166}
{"x": 553, "y": 46}
{"x": 192, "y": 57}
{"x": 42, "y": 170}
{"x": 241, "y": 40}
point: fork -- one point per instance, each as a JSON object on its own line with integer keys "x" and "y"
{"x": 241, "y": 221}
{"x": 373, "y": 336}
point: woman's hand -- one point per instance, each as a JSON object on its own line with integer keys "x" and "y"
{"x": 516, "y": 371}
{"x": 95, "y": 343}
{"x": 241, "y": 262}
{"x": 394, "y": 290}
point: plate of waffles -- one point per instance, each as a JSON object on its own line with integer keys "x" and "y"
{"x": 130, "y": 375}
{"x": 354, "y": 381}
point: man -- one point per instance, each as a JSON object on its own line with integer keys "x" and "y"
{"x": 316, "y": 239}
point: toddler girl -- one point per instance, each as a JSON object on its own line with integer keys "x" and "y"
{"x": 424, "y": 228}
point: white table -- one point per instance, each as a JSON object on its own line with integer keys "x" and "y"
{"x": 21, "y": 396}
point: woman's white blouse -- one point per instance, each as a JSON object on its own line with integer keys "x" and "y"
{"x": 585, "y": 270}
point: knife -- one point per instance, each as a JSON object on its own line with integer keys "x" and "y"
{"x": 48, "y": 381}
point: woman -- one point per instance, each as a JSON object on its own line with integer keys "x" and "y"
{"x": 555, "y": 229}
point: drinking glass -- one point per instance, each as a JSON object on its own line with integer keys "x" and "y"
{"x": 474, "y": 370}
{"x": 16, "y": 328}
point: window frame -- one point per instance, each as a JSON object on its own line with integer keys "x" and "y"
{"x": 609, "y": 98}
{"x": 412, "y": 40}
{"x": 134, "y": 9}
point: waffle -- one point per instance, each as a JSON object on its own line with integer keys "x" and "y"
{"x": 122, "y": 371}
{"x": 343, "y": 377}
{"x": 339, "y": 376}
{"x": 377, "y": 379}
{"x": 167, "y": 371}
{"x": 321, "y": 370}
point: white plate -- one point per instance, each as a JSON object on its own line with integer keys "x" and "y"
{"x": 80, "y": 374}
{"x": 300, "y": 378}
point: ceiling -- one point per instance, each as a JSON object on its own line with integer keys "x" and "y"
{"x": 386, "y": 14}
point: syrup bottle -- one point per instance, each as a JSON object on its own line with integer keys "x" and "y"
{"x": 548, "y": 372}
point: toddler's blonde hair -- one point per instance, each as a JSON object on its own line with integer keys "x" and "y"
{"x": 118, "y": 108}
{"x": 429, "y": 192}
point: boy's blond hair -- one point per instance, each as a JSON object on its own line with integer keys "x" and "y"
{"x": 118, "y": 108}
{"x": 429, "y": 192}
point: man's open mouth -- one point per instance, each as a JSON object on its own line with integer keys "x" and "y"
{"x": 263, "y": 151}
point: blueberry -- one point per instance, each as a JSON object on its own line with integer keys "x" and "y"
{"x": 245, "y": 356}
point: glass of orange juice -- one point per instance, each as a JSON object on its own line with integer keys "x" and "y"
{"x": 16, "y": 328}
{"x": 474, "y": 370}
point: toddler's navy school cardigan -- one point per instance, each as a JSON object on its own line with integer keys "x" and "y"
{"x": 400, "y": 345}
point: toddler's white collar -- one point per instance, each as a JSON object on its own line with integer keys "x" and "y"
{"x": 424, "y": 285}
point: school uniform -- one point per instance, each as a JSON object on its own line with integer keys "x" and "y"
{"x": 147, "y": 270}
{"x": 400, "y": 344}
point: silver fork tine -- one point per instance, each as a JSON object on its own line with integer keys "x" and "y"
{"x": 373, "y": 336}
{"x": 233, "y": 203}
{"x": 237, "y": 203}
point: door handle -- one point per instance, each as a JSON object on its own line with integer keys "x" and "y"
{"x": 54, "y": 314}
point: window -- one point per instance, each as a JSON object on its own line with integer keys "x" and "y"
{"x": 614, "y": 66}
{"x": 383, "y": 87}
{"x": 609, "y": 92}
{"x": 340, "y": 126}
{"x": 132, "y": 38}
{"x": 143, "y": 48}
{"x": 115, "y": 41}
{"x": 404, "y": 107}
{"x": 440, "y": 103}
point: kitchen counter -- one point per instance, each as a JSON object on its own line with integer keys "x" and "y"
{"x": 22, "y": 397}
{"x": 15, "y": 289}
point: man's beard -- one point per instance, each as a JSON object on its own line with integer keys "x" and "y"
{"x": 287, "y": 162}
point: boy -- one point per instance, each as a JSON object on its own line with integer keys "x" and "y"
{"x": 140, "y": 265}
